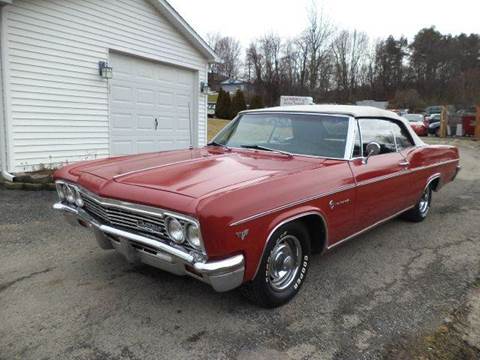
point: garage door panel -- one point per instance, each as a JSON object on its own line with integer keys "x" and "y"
{"x": 165, "y": 98}
{"x": 146, "y": 146}
{"x": 145, "y": 122}
{"x": 142, "y": 91}
{"x": 122, "y": 65}
{"x": 123, "y": 147}
{"x": 122, "y": 121}
{"x": 145, "y": 96}
{"x": 166, "y": 74}
{"x": 165, "y": 124}
{"x": 121, "y": 93}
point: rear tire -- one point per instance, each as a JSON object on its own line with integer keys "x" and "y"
{"x": 283, "y": 267}
{"x": 422, "y": 208}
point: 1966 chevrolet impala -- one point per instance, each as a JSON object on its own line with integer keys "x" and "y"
{"x": 273, "y": 187}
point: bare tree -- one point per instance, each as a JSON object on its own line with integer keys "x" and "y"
{"x": 316, "y": 43}
{"x": 349, "y": 50}
{"x": 228, "y": 50}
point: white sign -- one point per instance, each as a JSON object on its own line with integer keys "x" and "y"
{"x": 295, "y": 100}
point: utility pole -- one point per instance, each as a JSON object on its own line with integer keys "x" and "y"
{"x": 443, "y": 122}
{"x": 477, "y": 124}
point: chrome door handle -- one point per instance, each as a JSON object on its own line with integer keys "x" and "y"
{"x": 404, "y": 163}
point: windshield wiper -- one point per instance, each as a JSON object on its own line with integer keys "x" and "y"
{"x": 260, "y": 147}
{"x": 214, "y": 143}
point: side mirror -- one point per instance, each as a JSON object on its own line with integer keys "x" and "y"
{"x": 372, "y": 149}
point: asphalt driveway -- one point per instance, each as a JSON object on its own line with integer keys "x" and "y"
{"x": 61, "y": 297}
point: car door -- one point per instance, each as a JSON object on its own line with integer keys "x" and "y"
{"x": 381, "y": 181}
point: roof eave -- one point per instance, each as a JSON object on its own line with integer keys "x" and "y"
{"x": 180, "y": 24}
{"x": 185, "y": 29}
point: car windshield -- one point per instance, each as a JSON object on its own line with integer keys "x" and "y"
{"x": 303, "y": 134}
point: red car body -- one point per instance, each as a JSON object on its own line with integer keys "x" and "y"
{"x": 240, "y": 196}
{"x": 419, "y": 128}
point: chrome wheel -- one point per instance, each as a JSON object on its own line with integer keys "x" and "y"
{"x": 284, "y": 263}
{"x": 424, "y": 203}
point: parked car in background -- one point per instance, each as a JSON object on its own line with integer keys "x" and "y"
{"x": 434, "y": 124}
{"x": 273, "y": 187}
{"x": 436, "y": 109}
{"x": 417, "y": 122}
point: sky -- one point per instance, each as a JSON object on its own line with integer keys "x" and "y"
{"x": 247, "y": 20}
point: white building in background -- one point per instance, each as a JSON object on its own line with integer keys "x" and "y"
{"x": 59, "y": 106}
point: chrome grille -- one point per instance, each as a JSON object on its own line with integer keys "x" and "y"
{"x": 147, "y": 224}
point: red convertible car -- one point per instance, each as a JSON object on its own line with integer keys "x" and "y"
{"x": 273, "y": 187}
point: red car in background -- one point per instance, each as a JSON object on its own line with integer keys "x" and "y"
{"x": 273, "y": 187}
{"x": 418, "y": 123}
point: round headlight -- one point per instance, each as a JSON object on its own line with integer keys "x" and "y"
{"x": 61, "y": 191}
{"x": 70, "y": 194}
{"x": 193, "y": 236}
{"x": 175, "y": 230}
{"x": 78, "y": 198}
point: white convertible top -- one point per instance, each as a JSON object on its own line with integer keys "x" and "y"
{"x": 349, "y": 110}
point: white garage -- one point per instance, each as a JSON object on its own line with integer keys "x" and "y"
{"x": 84, "y": 79}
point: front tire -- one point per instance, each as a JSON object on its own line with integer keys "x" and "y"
{"x": 422, "y": 208}
{"x": 283, "y": 267}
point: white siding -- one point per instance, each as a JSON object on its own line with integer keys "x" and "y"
{"x": 58, "y": 102}
{"x": 2, "y": 110}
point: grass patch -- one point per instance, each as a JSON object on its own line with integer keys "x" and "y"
{"x": 214, "y": 126}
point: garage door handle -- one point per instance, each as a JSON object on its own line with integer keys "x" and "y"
{"x": 156, "y": 124}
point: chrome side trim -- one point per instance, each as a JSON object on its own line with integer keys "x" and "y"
{"x": 368, "y": 228}
{"x": 295, "y": 217}
{"x": 433, "y": 178}
{"x": 289, "y": 205}
{"x": 341, "y": 189}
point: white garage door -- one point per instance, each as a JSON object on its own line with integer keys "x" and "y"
{"x": 151, "y": 106}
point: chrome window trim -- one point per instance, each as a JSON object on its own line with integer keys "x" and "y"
{"x": 396, "y": 121}
{"x": 350, "y": 140}
{"x": 357, "y": 128}
{"x": 347, "y": 155}
{"x": 138, "y": 208}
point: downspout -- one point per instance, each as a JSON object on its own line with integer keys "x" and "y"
{"x": 3, "y": 131}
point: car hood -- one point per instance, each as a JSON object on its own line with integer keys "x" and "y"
{"x": 199, "y": 172}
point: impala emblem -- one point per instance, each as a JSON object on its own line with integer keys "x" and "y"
{"x": 334, "y": 204}
{"x": 242, "y": 235}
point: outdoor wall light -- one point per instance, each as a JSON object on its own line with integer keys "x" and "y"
{"x": 204, "y": 87}
{"x": 105, "y": 70}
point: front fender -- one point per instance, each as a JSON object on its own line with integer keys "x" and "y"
{"x": 264, "y": 229}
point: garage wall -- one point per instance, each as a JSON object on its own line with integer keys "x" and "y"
{"x": 2, "y": 110}
{"x": 58, "y": 102}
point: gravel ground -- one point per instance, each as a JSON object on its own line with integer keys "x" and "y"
{"x": 61, "y": 297}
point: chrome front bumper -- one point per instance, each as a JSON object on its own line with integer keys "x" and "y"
{"x": 222, "y": 275}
